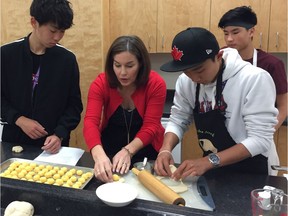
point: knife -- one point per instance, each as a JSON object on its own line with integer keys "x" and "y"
{"x": 204, "y": 192}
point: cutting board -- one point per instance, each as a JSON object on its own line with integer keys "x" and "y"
{"x": 197, "y": 196}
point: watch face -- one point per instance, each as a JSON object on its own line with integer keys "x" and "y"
{"x": 214, "y": 159}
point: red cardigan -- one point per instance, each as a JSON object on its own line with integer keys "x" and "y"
{"x": 149, "y": 100}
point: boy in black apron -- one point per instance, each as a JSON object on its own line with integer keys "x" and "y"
{"x": 231, "y": 103}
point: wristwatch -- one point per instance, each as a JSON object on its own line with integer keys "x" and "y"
{"x": 214, "y": 159}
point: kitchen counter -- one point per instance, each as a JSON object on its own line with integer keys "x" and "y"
{"x": 231, "y": 193}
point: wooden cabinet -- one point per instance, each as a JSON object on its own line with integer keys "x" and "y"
{"x": 134, "y": 17}
{"x": 190, "y": 147}
{"x": 176, "y": 15}
{"x": 262, "y": 10}
{"x": 280, "y": 139}
{"x": 156, "y": 22}
{"x": 278, "y": 26}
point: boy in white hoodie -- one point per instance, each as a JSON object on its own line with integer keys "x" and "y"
{"x": 231, "y": 103}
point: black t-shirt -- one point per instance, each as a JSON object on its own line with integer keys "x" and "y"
{"x": 35, "y": 73}
{"x": 114, "y": 136}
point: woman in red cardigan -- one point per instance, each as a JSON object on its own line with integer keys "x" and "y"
{"x": 122, "y": 124}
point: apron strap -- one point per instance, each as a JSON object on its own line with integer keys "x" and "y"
{"x": 197, "y": 105}
{"x": 219, "y": 89}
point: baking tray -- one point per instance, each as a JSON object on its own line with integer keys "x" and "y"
{"x": 7, "y": 163}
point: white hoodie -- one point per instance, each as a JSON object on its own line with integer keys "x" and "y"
{"x": 250, "y": 97}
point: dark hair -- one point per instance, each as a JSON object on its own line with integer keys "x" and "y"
{"x": 58, "y": 12}
{"x": 240, "y": 16}
{"x": 135, "y": 46}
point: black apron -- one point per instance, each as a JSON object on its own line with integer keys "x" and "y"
{"x": 213, "y": 135}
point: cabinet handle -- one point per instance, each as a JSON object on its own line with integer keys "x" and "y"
{"x": 163, "y": 40}
{"x": 260, "y": 40}
{"x": 149, "y": 42}
{"x": 277, "y": 39}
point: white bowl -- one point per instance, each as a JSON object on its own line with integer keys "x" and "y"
{"x": 116, "y": 194}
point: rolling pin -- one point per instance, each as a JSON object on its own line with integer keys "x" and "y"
{"x": 162, "y": 191}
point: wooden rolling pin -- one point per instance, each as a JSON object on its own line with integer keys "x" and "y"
{"x": 162, "y": 191}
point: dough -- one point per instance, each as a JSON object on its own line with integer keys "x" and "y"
{"x": 17, "y": 149}
{"x": 17, "y": 208}
{"x": 118, "y": 178}
{"x": 176, "y": 186}
{"x": 172, "y": 168}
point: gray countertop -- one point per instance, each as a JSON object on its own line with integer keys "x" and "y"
{"x": 230, "y": 192}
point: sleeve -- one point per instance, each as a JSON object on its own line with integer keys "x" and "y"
{"x": 8, "y": 113}
{"x": 259, "y": 113}
{"x": 72, "y": 115}
{"x": 92, "y": 119}
{"x": 155, "y": 101}
{"x": 277, "y": 71}
{"x": 182, "y": 110}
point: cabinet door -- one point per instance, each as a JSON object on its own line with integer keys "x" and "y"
{"x": 190, "y": 144}
{"x": 278, "y": 26}
{"x": 136, "y": 17}
{"x": 176, "y": 15}
{"x": 260, "y": 7}
{"x": 280, "y": 138}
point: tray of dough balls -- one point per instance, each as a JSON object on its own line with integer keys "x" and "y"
{"x": 46, "y": 173}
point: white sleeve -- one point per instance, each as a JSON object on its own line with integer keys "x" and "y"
{"x": 259, "y": 114}
{"x": 181, "y": 115}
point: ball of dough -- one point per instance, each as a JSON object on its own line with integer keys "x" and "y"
{"x": 17, "y": 149}
{"x": 115, "y": 177}
{"x": 79, "y": 172}
{"x": 19, "y": 208}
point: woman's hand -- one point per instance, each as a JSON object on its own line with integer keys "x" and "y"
{"x": 122, "y": 161}
{"x": 103, "y": 169}
{"x": 103, "y": 166}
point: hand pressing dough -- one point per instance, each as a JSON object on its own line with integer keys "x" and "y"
{"x": 17, "y": 208}
{"x": 17, "y": 149}
{"x": 176, "y": 186}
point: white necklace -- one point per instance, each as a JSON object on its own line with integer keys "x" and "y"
{"x": 126, "y": 124}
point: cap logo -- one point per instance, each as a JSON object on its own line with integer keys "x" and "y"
{"x": 208, "y": 51}
{"x": 176, "y": 53}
